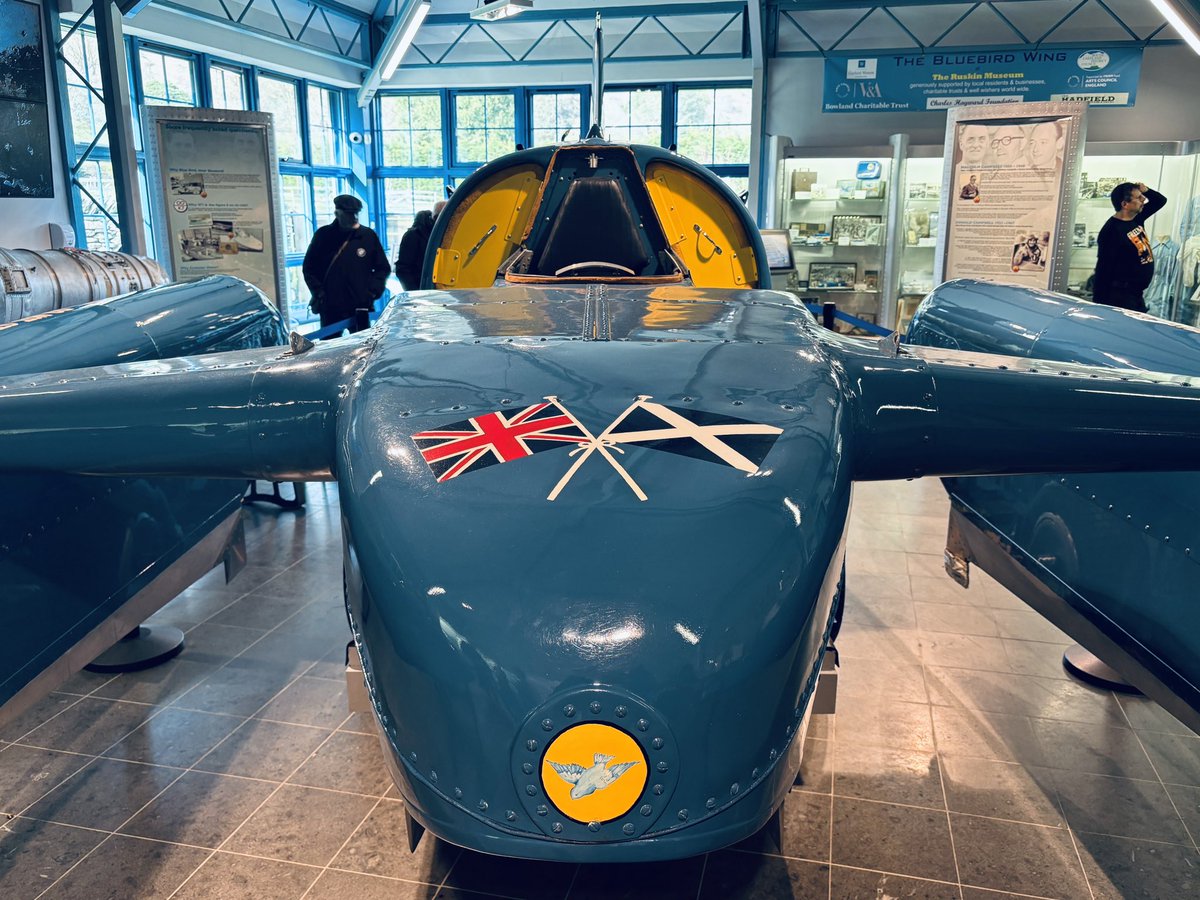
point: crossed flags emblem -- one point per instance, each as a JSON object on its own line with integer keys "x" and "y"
{"x": 497, "y": 437}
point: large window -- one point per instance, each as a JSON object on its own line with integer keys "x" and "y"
{"x": 402, "y": 198}
{"x": 228, "y": 87}
{"x": 484, "y": 127}
{"x": 325, "y": 189}
{"x": 633, "y": 116}
{"x": 714, "y": 125}
{"x": 278, "y": 96}
{"x": 554, "y": 118}
{"x": 167, "y": 80}
{"x": 411, "y": 130}
{"x": 323, "y": 119}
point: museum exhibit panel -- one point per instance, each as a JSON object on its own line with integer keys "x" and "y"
{"x": 790, "y": 611}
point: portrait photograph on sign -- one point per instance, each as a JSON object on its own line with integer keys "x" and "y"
{"x": 1009, "y": 188}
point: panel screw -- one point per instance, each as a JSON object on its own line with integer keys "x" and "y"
{"x": 711, "y": 803}
{"x": 593, "y": 826}
{"x": 531, "y": 746}
{"x": 542, "y": 810}
{"x": 683, "y": 814}
{"x": 556, "y": 827}
{"x": 531, "y": 790}
{"x": 620, "y": 711}
{"x": 642, "y": 724}
{"x": 511, "y": 816}
{"x": 594, "y": 707}
{"x": 527, "y": 768}
{"x": 483, "y": 805}
{"x": 657, "y": 743}
{"x": 569, "y": 710}
{"x": 627, "y": 828}
{"x": 662, "y": 766}
{"x": 734, "y": 789}
{"x": 547, "y": 725}
{"x": 646, "y": 809}
{"x": 658, "y": 789}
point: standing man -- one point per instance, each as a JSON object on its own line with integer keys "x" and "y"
{"x": 345, "y": 266}
{"x": 1124, "y": 260}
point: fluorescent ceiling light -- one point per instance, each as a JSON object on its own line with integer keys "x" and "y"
{"x": 491, "y": 10}
{"x": 401, "y": 38}
{"x": 1186, "y": 29}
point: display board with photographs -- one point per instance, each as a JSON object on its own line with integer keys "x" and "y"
{"x": 214, "y": 181}
{"x": 857, "y": 230}
{"x": 832, "y": 275}
{"x": 1011, "y": 170}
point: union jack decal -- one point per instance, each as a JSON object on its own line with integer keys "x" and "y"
{"x": 497, "y": 438}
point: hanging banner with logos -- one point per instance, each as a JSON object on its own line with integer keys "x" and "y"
{"x": 908, "y": 82}
{"x": 1011, "y": 173}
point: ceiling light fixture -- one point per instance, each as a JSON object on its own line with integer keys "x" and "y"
{"x": 491, "y": 10}
{"x": 1185, "y": 26}
{"x": 401, "y": 38}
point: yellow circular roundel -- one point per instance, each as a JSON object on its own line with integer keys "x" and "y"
{"x": 593, "y": 772}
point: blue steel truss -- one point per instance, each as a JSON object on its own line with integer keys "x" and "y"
{"x": 790, "y": 17}
{"x": 323, "y": 27}
{"x": 573, "y": 27}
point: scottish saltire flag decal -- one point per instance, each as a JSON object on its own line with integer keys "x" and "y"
{"x": 495, "y": 438}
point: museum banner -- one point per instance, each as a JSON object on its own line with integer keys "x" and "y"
{"x": 1010, "y": 180}
{"x": 909, "y": 82}
{"x": 213, "y": 178}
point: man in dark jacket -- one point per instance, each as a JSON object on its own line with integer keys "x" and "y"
{"x": 1124, "y": 260}
{"x": 345, "y": 266}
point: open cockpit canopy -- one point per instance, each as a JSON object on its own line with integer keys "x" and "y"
{"x": 595, "y": 212}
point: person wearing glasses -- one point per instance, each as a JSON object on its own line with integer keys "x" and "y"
{"x": 1007, "y": 145}
{"x": 1124, "y": 259}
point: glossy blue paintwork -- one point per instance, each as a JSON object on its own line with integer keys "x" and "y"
{"x": 686, "y": 602}
{"x": 1119, "y": 549}
{"x": 118, "y": 534}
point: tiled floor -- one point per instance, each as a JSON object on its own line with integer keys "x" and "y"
{"x": 962, "y": 762}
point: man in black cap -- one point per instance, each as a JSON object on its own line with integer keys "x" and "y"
{"x": 345, "y": 266}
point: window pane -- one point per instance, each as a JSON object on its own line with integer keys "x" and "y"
{"x": 554, "y": 114}
{"x": 298, "y": 296}
{"x": 278, "y": 96}
{"x": 228, "y": 88}
{"x": 97, "y": 196}
{"x": 403, "y": 197}
{"x": 322, "y": 131}
{"x": 412, "y": 130}
{"x": 297, "y": 221}
{"x": 633, "y": 116}
{"x": 714, "y": 125}
{"x": 87, "y": 110}
{"x": 166, "y": 80}
{"x": 484, "y": 127}
{"x": 324, "y": 190}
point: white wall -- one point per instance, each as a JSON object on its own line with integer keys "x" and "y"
{"x": 1166, "y": 108}
{"x": 24, "y": 221}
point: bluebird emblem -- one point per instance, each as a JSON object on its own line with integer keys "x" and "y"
{"x": 595, "y": 778}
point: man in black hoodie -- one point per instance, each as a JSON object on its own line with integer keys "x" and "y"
{"x": 411, "y": 256}
{"x": 345, "y": 266}
{"x": 1124, "y": 260}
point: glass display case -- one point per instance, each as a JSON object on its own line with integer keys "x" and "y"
{"x": 835, "y": 212}
{"x": 1170, "y": 169}
{"x": 917, "y": 247}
